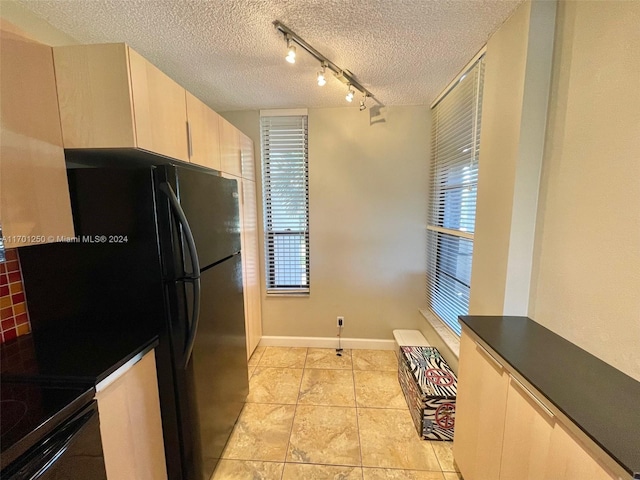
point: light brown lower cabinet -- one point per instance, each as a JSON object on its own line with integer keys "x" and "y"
{"x": 480, "y": 412}
{"x": 130, "y": 424}
{"x": 505, "y": 430}
{"x": 527, "y": 436}
{"x": 568, "y": 459}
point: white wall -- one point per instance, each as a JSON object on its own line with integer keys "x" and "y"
{"x": 33, "y": 26}
{"x": 584, "y": 267}
{"x": 368, "y": 191}
{"x": 587, "y": 263}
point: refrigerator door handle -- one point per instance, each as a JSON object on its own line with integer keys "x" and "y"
{"x": 193, "y": 328}
{"x": 195, "y": 265}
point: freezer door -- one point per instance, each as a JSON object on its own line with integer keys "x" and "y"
{"x": 218, "y": 366}
{"x": 211, "y": 205}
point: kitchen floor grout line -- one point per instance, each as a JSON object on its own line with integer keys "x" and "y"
{"x": 295, "y": 411}
{"x": 355, "y": 398}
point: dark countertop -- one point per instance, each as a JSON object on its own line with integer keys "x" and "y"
{"x": 72, "y": 355}
{"x": 48, "y": 375}
{"x": 602, "y": 401}
{"x": 29, "y": 412}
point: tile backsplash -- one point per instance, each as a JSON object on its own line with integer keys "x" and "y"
{"x": 14, "y": 318}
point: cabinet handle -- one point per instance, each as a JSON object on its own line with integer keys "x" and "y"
{"x": 189, "y": 143}
{"x": 530, "y": 394}
{"x": 489, "y": 357}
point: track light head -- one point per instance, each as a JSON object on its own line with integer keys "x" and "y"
{"x": 291, "y": 52}
{"x": 349, "y": 97}
{"x": 362, "y": 102}
{"x": 322, "y": 80}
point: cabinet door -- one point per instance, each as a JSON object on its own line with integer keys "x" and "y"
{"x": 204, "y": 134}
{"x": 33, "y": 180}
{"x": 569, "y": 460}
{"x": 94, "y": 92}
{"x": 480, "y": 412}
{"x": 527, "y": 434}
{"x": 251, "y": 260}
{"x": 247, "y": 157}
{"x": 130, "y": 424}
{"x": 230, "y": 161}
{"x": 160, "y": 110}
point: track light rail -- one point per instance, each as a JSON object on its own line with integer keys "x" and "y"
{"x": 344, "y": 76}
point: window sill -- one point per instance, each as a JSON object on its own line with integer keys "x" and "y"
{"x": 288, "y": 294}
{"x": 451, "y": 340}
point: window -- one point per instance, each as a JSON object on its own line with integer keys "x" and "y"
{"x": 453, "y": 188}
{"x": 285, "y": 193}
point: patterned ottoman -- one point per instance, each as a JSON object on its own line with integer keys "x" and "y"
{"x": 429, "y": 387}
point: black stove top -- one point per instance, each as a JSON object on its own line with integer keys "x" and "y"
{"x": 29, "y": 411}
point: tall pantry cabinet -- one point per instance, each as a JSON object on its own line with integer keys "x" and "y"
{"x": 240, "y": 166}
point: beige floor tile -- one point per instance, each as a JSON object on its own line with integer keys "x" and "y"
{"x": 284, "y": 357}
{"x": 389, "y": 474}
{"x": 444, "y": 453}
{"x": 251, "y": 370}
{"x": 374, "y": 360}
{"x": 327, "y": 358}
{"x": 256, "y": 356}
{"x": 247, "y": 470}
{"x": 389, "y": 440}
{"x": 326, "y": 435}
{"x": 274, "y": 385}
{"x": 452, "y": 476}
{"x": 378, "y": 389}
{"x": 300, "y": 471}
{"x": 327, "y": 387}
{"x": 261, "y": 433}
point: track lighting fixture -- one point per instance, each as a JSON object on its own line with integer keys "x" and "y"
{"x": 291, "y": 52}
{"x": 362, "y": 102}
{"x": 349, "y": 97}
{"x": 343, "y": 75}
{"x": 321, "y": 78}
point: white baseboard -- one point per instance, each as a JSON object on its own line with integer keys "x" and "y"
{"x": 328, "y": 342}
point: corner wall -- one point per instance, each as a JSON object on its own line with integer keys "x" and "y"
{"x": 30, "y": 25}
{"x": 368, "y": 191}
{"x": 514, "y": 111}
{"x": 587, "y": 260}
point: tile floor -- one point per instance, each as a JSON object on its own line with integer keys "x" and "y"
{"x": 313, "y": 415}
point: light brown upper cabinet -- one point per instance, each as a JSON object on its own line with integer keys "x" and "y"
{"x": 230, "y": 157}
{"x": 247, "y": 157}
{"x": 204, "y": 134}
{"x": 33, "y": 180}
{"x": 111, "y": 97}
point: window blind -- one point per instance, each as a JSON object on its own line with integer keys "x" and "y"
{"x": 453, "y": 189}
{"x": 285, "y": 188}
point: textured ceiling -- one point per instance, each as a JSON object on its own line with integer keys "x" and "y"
{"x": 228, "y": 53}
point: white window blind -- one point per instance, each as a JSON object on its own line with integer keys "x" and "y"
{"x": 453, "y": 188}
{"x": 285, "y": 189}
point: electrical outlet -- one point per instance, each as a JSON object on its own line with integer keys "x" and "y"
{"x": 340, "y": 321}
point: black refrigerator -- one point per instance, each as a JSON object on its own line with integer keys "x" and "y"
{"x": 158, "y": 248}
